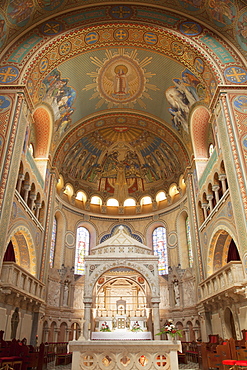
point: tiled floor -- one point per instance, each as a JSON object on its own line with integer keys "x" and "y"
{"x": 189, "y": 366}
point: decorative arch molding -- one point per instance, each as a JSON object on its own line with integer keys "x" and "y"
{"x": 114, "y": 230}
{"x": 182, "y": 237}
{"x": 59, "y": 247}
{"x": 92, "y": 232}
{"x": 98, "y": 269}
{"x": 149, "y": 231}
{"x": 129, "y": 278}
{"x": 24, "y": 249}
{"x": 226, "y": 236}
{"x": 43, "y": 119}
{"x": 199, "y": 128}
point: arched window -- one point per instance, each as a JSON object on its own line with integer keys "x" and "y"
{"x": 82, "y": 249}
{"x": 188, "y": 236}
{"x": 53, "y": 242}
{"x": 160, "y": 249}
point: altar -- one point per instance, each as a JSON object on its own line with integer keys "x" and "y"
{"x": 119, "y": 355}
{"x": 121, "y": 335}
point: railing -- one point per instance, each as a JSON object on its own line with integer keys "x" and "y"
{"x": 14, "y": 279}
{"x": 228, "y": 279}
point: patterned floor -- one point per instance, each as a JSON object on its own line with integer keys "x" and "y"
{"x": 189, "y": 366}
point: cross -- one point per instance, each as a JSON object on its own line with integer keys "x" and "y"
{"x": 7, "y": 74}
{"x": 51, "y": 28}
{"x": 121, "y": 12}
{"x": 190, "y": 28}
{"x": 236, "y": 75}
{"x": 88, "y": 360}
{"x": 121, "y": 34}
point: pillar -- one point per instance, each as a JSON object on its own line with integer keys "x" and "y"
{"x": 210, "y": 201}
{"x": 87, "y": 318}
{"x": 156, "y": 317}
{"x": 216, "y": 189}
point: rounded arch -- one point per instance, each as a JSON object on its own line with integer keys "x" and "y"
{"x": 92, "y": 231}
{"x": 24, "y": 248}
{"x": 143, "y": 270}
{"x": 199, "y": 128}
{"x": 149, "y": 231}
{"x": 219, "y": 248}
{"x": 229, "y": 324}
{"x": 43, "y": 131}
{"x": 182, "y": 239}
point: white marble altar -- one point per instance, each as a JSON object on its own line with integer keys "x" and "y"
{"x": 121, "y": 335}
{"x": 130, "y": 355}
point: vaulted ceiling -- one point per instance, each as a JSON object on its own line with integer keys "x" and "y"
{"x": 120, "y": 80}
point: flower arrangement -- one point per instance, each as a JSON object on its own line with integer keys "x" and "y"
{"x": 105, "y": 327}
{"x": 170, "y": 329}
{"x": 136, "y": 327}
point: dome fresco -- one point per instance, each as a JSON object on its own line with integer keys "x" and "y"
{"x": 114, "y": 85}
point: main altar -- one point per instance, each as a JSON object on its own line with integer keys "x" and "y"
{"x": 121, "y": 310}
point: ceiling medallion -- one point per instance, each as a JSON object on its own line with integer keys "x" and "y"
{"x": 121, "y": 80}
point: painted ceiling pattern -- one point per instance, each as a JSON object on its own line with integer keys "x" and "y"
{"x": 120, "y": 80}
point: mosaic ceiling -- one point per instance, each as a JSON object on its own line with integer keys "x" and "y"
{"x": 121, "y": 79}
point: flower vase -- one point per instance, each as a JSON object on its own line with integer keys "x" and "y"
{"x": 172, "y": 338}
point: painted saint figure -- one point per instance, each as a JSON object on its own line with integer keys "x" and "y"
{"x": 120, "y": 81}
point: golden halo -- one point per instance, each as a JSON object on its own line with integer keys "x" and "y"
{"x": 121, "y": 67}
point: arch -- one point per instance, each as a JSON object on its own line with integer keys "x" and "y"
{"x": 62, "y": 332}
{"x": 229, "y": 324}
{"x": 43, "y": 130}
{"x": 199, "y": 127}
{"x": 219, "y": 248}
{"x": 101, "y": 269}
{"x": 24, "y": 249}
{"x": 160, "y": 248}
{"x": 185, "y": 250}
{"x": 82, "y": 249}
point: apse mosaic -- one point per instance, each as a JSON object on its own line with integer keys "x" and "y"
{"x": 120, "y": 78}
{"x": 121, "y": 161}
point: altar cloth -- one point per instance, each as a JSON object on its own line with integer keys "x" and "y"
{"x": 121, "y": 335}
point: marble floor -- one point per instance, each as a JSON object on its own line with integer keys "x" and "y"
{"x": 189, "y": 366}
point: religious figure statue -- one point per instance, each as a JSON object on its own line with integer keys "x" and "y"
{"x": 66, "y": 293}
{"x": 14, "y": 322}
{"x": 176, "y": 293}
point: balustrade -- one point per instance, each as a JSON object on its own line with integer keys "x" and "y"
{"x": 15, "y": 279}
{"x": 228, "y": 278}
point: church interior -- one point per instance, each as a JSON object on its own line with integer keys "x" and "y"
{"x": 123, "y": 189}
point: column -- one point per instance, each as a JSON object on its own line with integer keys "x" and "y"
{"x": 32, "y": 197}
{"x": 216, "y": 189}
{"x": 37, "y": 209}
{"x": 156, "y": 317}
{"x": 19, "y": 182}
{"x": 87, "y": 318}
{"x": 222, "y": 178}
{"x": 204, "y": 207}
{"x": 26, "y": 188}
{"x": 210, "y": 201}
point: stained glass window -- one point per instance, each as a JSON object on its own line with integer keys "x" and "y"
{"x": 82, "y": 249}
{"x": 160, "y": 249}
{"x": 189, "y": 246}
{"x": 53, "y": 242}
